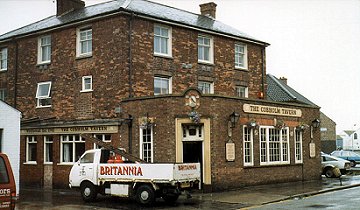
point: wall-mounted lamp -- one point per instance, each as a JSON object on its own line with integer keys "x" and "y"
{"x": 315, "y": 123}
{"x": 234, "y": 118}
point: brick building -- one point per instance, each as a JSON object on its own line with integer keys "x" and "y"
{"x": 165, "y": 84}
{"x": 328, "y": 134}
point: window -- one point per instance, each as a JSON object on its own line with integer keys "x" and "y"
{"x": 355, "y": 136}
{"x": 162, "y": 85}
{"x": 72, "y": 147}
{"x": 102, "y": 137}
{"x": 162, "y": 40}
{"x": 3, "y": 59}
{"x": 86, "y": 84}
{"x": 146, "y": 143}
{"x": 242, "y": 91}
{"x": 4, "y": 176}
{"x": 2, "y": 94}
{"x": 274, "y": 146}
{"x": 298, "y": 146}
{"x": 248, "y": 146}
{"x": 43, "y": 94}
{"x": 44, "y": 49}
{"x": 88, "y": 158}
{"x": 240, "y": 56}
{"x": 84, "y": 42}
{"x": 31, "y": 149}
{"x": 205, "y": 49}
{"x": 48, "y": 149}
{"x": 206, "y": 87}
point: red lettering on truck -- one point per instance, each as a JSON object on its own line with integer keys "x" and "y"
{"x": 121, "y": 170}
{"x": 186, "y": 167}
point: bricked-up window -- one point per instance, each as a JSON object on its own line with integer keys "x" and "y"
{"x": 146, "y": 143}
{"x": 162, "y": 85}
{"x": 2, "y": 94}
{"x": 242, "y": 91}
{"x": 274, "y": 145}
{"x": 205, "y": 49}
{"x": 43, "y": 94}
{"x": 72, "y": 147}
{"x": 44, "y": 49}
{"x": 3, "y": 59}
{"x": 48, "y": 149}
{"x": 162, "y": 40}
{"x": 31, "y": 150}
{"x": 206, "y": 87}
{"x": 240, "y": 56}
{"x": 84, "y": 42}
{"x": 103, "y": 137}
{"x": 248, "y": 146}
{"x": 87, "y": 84}
{"x": 298, "y": 146}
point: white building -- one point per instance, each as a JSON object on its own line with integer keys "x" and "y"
{"x": 10, "y": 137}
{"x": 351, "y": 139}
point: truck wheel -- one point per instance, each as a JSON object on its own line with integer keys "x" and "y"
{"x": 329, "y": 173}
{"x": 170, "y": 198}
{"x": 88, "y": 191}
{"x": 145, "y": 195}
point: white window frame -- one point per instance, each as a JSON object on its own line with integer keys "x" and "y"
{"x": 265, "y": 146}
{"x": 43, "y": 97}
{"x": 48, "y": 140}
{"x": 2, "y": 94}
{"x": 240, "y": 89}
{"x": 298, "y": 138}
{"x": 203, "y": 91}
{"x": 30, "y": 140}
{"x": 70, "y": 139}
{"x": 238, "y": 54}
{"x": 151, "y": 143}
{"x": 41, "y": 48}
{"x": 161, "y": 79}
{"x": 162, "y": 37}
{"x": 103, "y": 138}
{"x": 79, "y": 42}
{"x": 3, "y": 59}
{"x": 83, "y": 84}
{"x": 248, "y": 138}
{"x": 203, "y": 47}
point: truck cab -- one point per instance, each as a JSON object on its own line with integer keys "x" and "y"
{"x": 7, "y": 184}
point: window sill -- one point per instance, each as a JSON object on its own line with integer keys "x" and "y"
{"x": 39, "y": 107}
{"x": 83, "y": 56}
{"x": 86, "y": 91}
{"x": 48, "y": 163}
{"x": 30, "y": 163}
{"x": 206, "y": 63}
{"x": 163, "y": 56}
{"x": 3, "y": 70}
{"x": 241, "y": 69}
{"x": 66, "y": 164}
{"x": 44, "y": 63}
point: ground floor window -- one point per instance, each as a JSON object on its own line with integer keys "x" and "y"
{"x": 48, "y": 149}
{"x": 248, "y": 146}
{"x": 274, "y": 145}
{"x": 103, "y": 137}
{"x": 31, "y": 150}
{"x": 298, "y": 146}
{"x": 146, "y": 143}
{"x": 72, "y": 147}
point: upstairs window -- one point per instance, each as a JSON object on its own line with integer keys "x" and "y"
{"x": 86, "y": 84}
{"x": 3, "y": 59}
{"x": 43, "y": 94}
{"x": 206, "y": 87}
{"x": 44, "y": 49}
{"x": 162, "y": 85}
{"x": 205, "y": 49}
{"x": 240, "y": 56}
{"x": 84, "y": 43}
{"x": 242, "y": 91}
{"x": 162, "y": 40}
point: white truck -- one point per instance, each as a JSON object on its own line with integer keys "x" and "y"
{"x": 93, "y": 174}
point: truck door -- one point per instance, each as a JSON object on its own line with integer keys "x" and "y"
{"x": 87, "y": 167}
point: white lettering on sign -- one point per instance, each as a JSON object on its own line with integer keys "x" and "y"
{"x": 70, "y": 130}
{"x": 5, "y": 192}
{"x": 271, "y": 110}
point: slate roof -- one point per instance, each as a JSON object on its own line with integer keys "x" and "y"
{"x": 277, "y": 90}
{"x": 349, "y": 132}
{"x": 138, "y": 7}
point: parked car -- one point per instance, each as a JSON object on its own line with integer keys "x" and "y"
{"x": 353, "y": 157}
{"x": 7, "y": 184}
{"x": 329, "y": 163}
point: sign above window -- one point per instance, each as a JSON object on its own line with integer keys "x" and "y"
{"x": 272, "y": 110}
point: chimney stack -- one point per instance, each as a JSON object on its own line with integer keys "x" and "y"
{"x": 284, "y": 80}
{"x": 208, "y": 9}
{"x": 64, "y": 6}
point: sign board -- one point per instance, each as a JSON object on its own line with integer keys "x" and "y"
{"x": 271, "y": 110}
{"x": 312, "y": 150}
{"x": 230, "y": 151}
{"x": 69, "y": 130}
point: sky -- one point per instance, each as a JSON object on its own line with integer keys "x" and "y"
{"x": 313, "y": 43}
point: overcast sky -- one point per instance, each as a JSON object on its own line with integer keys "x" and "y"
{"x": 314, "y": 43}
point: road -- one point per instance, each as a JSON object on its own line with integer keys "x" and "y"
{"x": 344, "y": 199}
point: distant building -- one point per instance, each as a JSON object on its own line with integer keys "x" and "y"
{"x": 339, "y": 142}
{"x": 351, "y": 139}
{"x": 328, "y": 134}
{"x": 10, "y": 137}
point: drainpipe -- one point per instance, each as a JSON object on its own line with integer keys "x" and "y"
{"x": 263, "y": 71}
{"x": 130, "y": 122}
{"x": 16, "y": 71}
{"x": 131, "y": 91}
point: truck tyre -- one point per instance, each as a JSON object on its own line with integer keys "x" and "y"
{"x": 170, "y": 198}
{"x": 88, "y": 191}
{"x": 145, "y": 195}
{"x": 329, "y": 173}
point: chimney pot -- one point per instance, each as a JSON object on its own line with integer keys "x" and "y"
{"x": 208, "y": 9}
{"x": 64, "y": 6}
{"x": 284, "y": 80}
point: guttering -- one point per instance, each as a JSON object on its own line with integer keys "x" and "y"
{"x": 16, "y": 71}
{"x": 131, "y": 91}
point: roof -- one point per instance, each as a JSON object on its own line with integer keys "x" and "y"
{"x": 277, "y": 90}
{"x": 139, "y": 7}
{"x": 349, "y": 132}
{"x": 7, "y": 106}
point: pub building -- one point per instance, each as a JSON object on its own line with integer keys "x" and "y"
{"x": 165, "y": 84}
